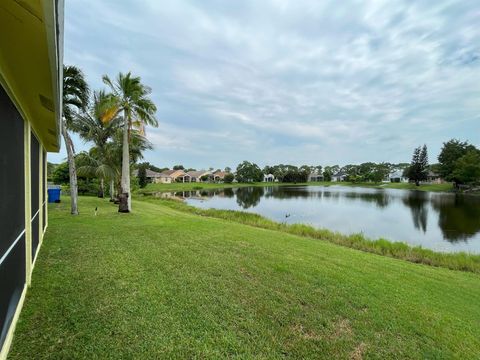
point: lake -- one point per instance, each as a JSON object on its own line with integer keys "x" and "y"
{"x": 439, "y": 221}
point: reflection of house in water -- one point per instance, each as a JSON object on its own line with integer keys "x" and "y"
{"x": 458, "y": 216}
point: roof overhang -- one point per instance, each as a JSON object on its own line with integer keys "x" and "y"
{"x": 31, "y": 63}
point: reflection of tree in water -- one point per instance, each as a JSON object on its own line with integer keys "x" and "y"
{"x": 458, "y": 216}
{"x": 249, "y": 196}
{"x": 379, "y": 198}
{"x": 417, "y": 202}
{"x": 228, "y": 192}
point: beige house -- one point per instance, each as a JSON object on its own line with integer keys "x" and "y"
{"x": 196, "y": 176}
{"x": 218, "y": 176}
{"x": 170, "y": 176}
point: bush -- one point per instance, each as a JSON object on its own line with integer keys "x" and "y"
{"x": 228, "y": 179}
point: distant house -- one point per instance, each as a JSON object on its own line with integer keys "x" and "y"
{"x": 152, "y": 176}
{"x": 196, "y": 176}
{"x": 268, "y": 178}
{"x": 339, "y": 176}
{"x": 218, "y": 175}
{"x": 170, "y": 176}
{"x": 434, "y": 178}
{"x": 397, "y": 177}
{"x": 315, "y": 176}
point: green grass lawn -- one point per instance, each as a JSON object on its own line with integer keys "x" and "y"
{"x": 160, "y": 283}
{"x": 197, "y": 186}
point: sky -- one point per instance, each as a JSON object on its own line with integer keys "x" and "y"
{"x": 294, "y": 82}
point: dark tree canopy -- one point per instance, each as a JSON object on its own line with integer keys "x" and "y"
{"x": 249, "y": 172}
{"x": 467, "y": 168}
{"x": 418, "y": 170}
{"x": 452, "y": 150}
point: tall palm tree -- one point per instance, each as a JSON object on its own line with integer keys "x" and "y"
{"x": 138, "y": 111}
{"x": 75, "y": 99}
{"x": 91, "y": 126}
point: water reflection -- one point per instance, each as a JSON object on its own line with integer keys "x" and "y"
{"x": 248, "y": 197}
{"x": 459, "y": 217}
{"x": 417, "y": 201}
{"x": 440, "y": 221}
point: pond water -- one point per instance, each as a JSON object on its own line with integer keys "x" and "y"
{"x": 438, "y": 221}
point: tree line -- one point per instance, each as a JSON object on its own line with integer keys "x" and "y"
{"x": 458, "y": 162}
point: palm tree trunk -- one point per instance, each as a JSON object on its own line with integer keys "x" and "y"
{"x": 72, "y": 171}
{"x": 101, "y": 190}
{"x": 112, "y": 190}
{"x": 125, "y": 201}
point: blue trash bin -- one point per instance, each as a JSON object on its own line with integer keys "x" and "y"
{"x": 54, "y": 195}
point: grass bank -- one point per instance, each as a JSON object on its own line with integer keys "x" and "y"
{"x": 163, "y": 283}
{"x": 399, "y": 250}
{"x": 152, "y": 188}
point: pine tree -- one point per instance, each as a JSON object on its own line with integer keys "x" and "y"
{"x": 418, "y": 170}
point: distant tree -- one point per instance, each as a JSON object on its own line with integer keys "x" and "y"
{"x": 327, "y": 174}
{"x": 418, "y": 169}
{"x": 452, "y": 150}
{"x": 152, "y": 167}
{"x": 190, "y": 169}
{"x": 249, "y": 172}
{"x": 142, "y": 176}
{"x": 379, "y": 172}
{"x": 329, "y": 171}
{"x": 178, "y": 167}
{"x": 228, "y": 178}
{"x": 61, "y": 174}
{"x": 467, "y": 168}
{"x": 228, "y": 169}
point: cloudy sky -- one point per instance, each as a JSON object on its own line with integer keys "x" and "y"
{"x": 279, "y": 81}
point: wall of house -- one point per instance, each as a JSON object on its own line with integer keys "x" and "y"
{"x": 23, "y": 212}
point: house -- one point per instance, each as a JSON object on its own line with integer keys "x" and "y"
{"x": 339, "y": 176}
{"x": 218, "y": 176}
{"x": 434, "y": 178}
{"x": 315, "y": 176}
{"x": 152, "y": 176}
{"x": 31, "y": 77}
{"x": 169, "y": 176}
{"x": 397, "y": 177}
{"x": 196, "y": 176}
{"x": 268, "y": 178}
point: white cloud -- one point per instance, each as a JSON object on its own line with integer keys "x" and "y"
{"x": 264, "y": 80}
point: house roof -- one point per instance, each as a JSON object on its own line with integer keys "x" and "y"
{"x": 149, "y": 173}
{"x": 198, "y": 173}
{"x": 340, "y": 173}
{"x": 220, "y": 174}
{"x": 172, "y": 173}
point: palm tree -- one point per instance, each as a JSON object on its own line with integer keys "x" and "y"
{"x": 91, "y": 126}
{"x": 138, "y": 111}
{"x": 75, "y": 99}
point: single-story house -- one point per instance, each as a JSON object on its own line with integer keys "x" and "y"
{"x": 218, "y": 176}
{"x": 169, "y": 176}
{"x": 339, "y": 176}
{"x": 434, "y": 178}
{"x": 152, "y": 176}
{"x": 315, "y": 177}
{"x": 196, "y": 176}
{"x": 268, "y": 178}
{"x": 31, "y": 78}
{"x": 397, "y": 177}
